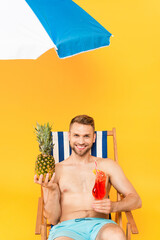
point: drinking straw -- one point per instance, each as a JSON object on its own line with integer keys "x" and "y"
{"x": 96, "y": 166}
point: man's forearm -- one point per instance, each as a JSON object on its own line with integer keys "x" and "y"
{"x": 52, "y": 207}
{"x": 130, "y": 202}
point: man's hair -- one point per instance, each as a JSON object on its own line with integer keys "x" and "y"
{"x": 83, "y": 119}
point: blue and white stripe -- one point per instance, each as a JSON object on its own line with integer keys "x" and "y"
{"x": 62, "y": 148}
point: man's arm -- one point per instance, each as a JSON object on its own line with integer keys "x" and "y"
{"x": 51, "y": 192}
{"x": 119, "y": 181}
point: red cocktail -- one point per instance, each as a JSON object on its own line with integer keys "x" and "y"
{"x": 99, "y": 189}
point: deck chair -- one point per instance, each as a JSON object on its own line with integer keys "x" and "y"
{"x": 62, "y": 151}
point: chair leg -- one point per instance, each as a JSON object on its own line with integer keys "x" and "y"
{"x": 44, "y": 230}
{"x": 39, "y": 217}
{"x": 128, "y": 232}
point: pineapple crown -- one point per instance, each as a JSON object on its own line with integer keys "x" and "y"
{"x": 44, "y": 138}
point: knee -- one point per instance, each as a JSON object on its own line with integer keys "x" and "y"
{"x": 118, "y": 234}
{"x": 114, "y": 233}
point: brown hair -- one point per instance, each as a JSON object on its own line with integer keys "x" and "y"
{"x": 83, "y": 119}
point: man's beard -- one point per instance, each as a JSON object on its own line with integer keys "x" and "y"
{"x": 81, "y": 154}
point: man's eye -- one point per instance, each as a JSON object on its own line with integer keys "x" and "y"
{"x": 75, "y": 135}
{"x": 87, "y": 136}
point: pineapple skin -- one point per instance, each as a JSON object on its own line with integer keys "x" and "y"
{"x": 44, "y": 164}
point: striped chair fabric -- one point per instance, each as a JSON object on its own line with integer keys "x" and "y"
{"x": 62, "y": 150}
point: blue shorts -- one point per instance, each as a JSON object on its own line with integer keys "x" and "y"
{"x": 79, "y": 229}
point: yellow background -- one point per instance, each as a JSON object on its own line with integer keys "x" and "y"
{"x": 117, "y": 85}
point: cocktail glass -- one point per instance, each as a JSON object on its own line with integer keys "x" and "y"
{"x": 99, "y": 189}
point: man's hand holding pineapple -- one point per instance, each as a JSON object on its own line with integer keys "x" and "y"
{"x": 45, "y": 168}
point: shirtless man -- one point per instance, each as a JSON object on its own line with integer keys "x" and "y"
{"x": 68, "y": 200}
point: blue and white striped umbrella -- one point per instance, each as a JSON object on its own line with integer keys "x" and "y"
{"x": 30, "y": 28}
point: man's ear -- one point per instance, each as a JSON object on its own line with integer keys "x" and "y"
{"x": 94, "y": 137}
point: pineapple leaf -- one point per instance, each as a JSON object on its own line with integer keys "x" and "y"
{"x": 44, "y": 138}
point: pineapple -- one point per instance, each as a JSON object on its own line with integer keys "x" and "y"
{"x": 45, "y": 162}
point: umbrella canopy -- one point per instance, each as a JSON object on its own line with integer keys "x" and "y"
{"x": 67, "y": 28}
{"x": 71, "y": 28}
{"x": 22, "y": 36}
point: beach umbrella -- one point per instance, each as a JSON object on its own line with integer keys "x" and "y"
{"x": 30, "y": 28}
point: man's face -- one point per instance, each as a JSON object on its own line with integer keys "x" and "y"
{"x": 81, "y": 138}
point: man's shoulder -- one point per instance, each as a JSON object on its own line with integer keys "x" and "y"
{"x": 106, "y": 164}
{"x": 105, "y": 161}
{"x": 60, "y": 165}
{"x": 59, "y": 169}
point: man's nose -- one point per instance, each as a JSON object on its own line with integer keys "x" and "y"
{"x": 81, "y": 140}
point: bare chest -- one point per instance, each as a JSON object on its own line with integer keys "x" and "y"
{"x": 77, "y": 181}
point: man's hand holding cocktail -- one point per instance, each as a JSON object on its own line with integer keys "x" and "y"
{"x": 103, "y": 206}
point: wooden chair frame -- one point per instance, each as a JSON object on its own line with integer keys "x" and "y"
{"x": 131, "y": 228}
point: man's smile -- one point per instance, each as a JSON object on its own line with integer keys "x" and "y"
{"x": 80, "y": 147}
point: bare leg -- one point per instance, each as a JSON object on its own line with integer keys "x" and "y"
{"x": 111, "y": 231}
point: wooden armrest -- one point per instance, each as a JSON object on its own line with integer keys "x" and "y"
{"x": 130, "y": 219}
{"x": 39, "y": 217}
